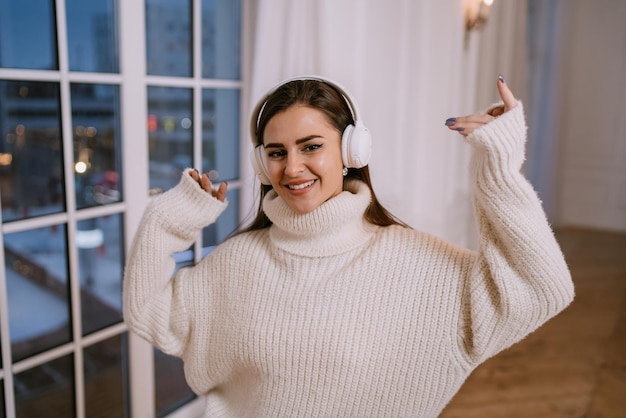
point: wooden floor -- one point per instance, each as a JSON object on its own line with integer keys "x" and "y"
{"x": 573, "y": 366}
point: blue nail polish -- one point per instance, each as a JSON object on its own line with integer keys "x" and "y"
{"x": 501, "y": 78}
{"x": 450, "y": 121}
{"x": 460, "y": 129}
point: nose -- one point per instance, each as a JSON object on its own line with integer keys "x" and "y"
{"x": 294, "y": 165}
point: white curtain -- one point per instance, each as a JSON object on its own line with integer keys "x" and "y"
{"x": 410, "y": 68}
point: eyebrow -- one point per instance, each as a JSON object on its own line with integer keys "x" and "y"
{"x": 298, "y": 141}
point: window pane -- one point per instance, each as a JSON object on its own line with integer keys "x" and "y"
{"x": 226, "y": 223}
{"x": 96, "y": 125}
{"x": 31, "y": 177}
{"x": 221, "y": 28}
{"x": 220, "y": 133}
{"x": 99, "y": 242}
{"x": 171, "y": 389}
{"x": 106, "y": 378}
{"x": 170, "y": 134}
{"x": 92, "y": 35}
{"x": 168, "y": 37}
{"x": 37, "y": 286}
{"x": 28, "y": 35}
{"x": 46, "y": 390}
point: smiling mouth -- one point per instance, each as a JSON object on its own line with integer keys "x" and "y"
{"x": 300, "y": 186}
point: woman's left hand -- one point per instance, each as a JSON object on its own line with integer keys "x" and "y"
{"x": 205, "y": 183}
{"x": 465, "y": 125}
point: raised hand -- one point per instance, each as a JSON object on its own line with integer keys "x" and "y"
{"x": 465, "y": 125}
{"x": 204, "y": 182}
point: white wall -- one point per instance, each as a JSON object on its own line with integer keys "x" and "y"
{"x": 591, "y": 182}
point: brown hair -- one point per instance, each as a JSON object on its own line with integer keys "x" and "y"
{"x": 326, "y": 98}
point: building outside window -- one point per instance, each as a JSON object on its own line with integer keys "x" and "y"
{"x": 102, "y": 105}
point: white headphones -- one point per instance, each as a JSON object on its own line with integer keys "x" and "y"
{"x": 356, "y": 141}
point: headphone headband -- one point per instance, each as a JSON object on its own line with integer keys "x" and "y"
{"x": 258, "y": 109}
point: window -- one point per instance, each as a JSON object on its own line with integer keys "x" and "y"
{"x": 102, "y": 105}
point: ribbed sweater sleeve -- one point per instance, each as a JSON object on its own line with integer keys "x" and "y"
{"x": 519, "y": 279}
{"x": 153, "y": 306}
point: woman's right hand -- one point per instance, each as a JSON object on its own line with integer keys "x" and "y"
{"x": 205, "y": 183}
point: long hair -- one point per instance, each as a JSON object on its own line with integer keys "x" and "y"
{"x": 324, "y": 97}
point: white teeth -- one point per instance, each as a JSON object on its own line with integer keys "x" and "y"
{"x": 301, "y": 186}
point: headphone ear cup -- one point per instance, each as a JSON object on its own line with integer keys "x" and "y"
{"x": 259, "y": 164}
{"x": 356, "y": 146}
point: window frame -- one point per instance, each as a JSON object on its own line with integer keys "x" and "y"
{"x": 133, "y": 83}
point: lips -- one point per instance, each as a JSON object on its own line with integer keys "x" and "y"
{"x": 300, "y": 186}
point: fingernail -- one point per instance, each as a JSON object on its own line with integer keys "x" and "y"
{"x": 501, "y": 78}
{"x": 450, "y": 121}
{"x": 460, "y": 128}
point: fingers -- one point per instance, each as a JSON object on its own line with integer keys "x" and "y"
{"x": 221, "y": 192}
{"x": 465, "y": 125}
{"x": 206, "y": 185}
{"x": 194, "y": 174}
{"x": 202, "y": 180}
{"x": 496, "y": 111}
{"x": 506, "y": 94}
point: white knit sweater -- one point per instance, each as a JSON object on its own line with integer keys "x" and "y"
{"x": 325, "y": 315}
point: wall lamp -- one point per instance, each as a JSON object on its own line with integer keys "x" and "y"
{"x": 476, "y": 14}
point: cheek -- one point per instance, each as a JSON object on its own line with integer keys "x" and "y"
{"x": 328, "y": 165}
{"x": 332, "y": 160}
{"x": 274, "y": 167}
{"x": 275, "y": 171}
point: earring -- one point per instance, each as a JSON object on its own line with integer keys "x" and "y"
{"x": 344, "y": 171}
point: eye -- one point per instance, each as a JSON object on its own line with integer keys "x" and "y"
{"x": 276, "y": 153}
{"x": 312, "y": 147}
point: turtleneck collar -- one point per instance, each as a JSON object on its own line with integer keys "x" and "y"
{"x": 334, "y": 227}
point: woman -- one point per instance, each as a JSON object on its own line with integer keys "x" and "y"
{"x": 326, "y": 305}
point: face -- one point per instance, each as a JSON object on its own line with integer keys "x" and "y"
{"x": 303, "y": 157}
